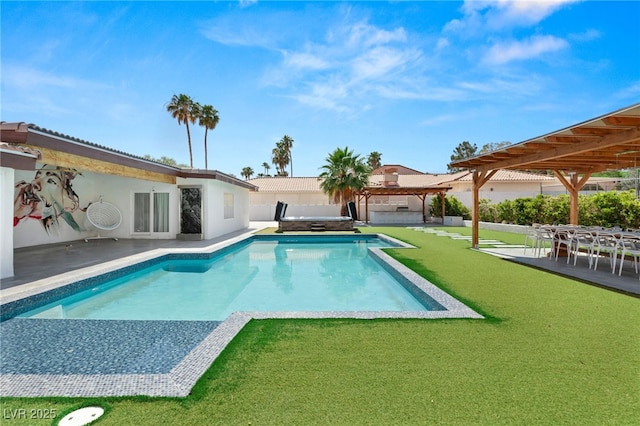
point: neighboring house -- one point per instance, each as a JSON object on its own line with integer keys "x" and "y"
{"x": 302, "y": 194}
{"x": 505, "y": 185}
{"x": 48, "y": 180}
{"x": 305, "y": 197}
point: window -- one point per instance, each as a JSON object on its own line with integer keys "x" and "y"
{"x": 228, "y": 205}
{"x": 149, "y": 215}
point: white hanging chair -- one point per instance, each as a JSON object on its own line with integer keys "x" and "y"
{"x": 104, "y": 216}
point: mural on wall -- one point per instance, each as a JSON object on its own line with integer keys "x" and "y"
{"x": 47, "y": 198}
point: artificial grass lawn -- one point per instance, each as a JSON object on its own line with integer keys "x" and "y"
{"x": 552, "y": 351}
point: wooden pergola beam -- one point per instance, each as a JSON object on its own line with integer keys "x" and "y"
{"x": 564, "y": 151}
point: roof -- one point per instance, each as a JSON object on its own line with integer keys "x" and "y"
{"x": 417, "y": 180}
{"x": 510, "y": 176}
{"x": 608, "y": 142}
{"x": 399, "y": 169}
{"x": 287, "y": 184}
{"x": 281, "y": 184}
{"x": 41, "y": 139}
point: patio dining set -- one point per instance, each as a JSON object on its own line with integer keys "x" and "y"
{"x": 614, "y": 244}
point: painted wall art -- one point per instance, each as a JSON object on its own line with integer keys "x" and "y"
{"x": 48, "y": 198}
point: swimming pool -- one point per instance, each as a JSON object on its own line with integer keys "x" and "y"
{"x": 310, "y": 274}
{"x": 99, "y": 358}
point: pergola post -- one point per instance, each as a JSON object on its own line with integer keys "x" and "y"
{"x": 424, "y": 213}
{"x": 479, "y": 179}
{"x": 573, "y": 186}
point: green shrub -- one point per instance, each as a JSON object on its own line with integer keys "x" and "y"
{"x": 452, "y": 207}
{"x": 605, "y": 209}
{"x": 487, "y": 212}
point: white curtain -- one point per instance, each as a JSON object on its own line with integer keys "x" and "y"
{"x": 161, "y": 212}
{"x": 141, "y": 212}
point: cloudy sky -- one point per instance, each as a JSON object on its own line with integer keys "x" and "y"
{"x": 410, "y": 80}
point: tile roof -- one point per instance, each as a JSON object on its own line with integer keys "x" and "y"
{"x": 415, "y": 180}
{"x": 418, "y": 180}
{"x": 287, "y": 184}
{"x": 21, "y": 149}
{"x": 399, "y": 169}
{"x": 510, "y": 176}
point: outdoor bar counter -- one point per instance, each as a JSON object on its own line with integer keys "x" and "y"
{"x": 379, "y": 217}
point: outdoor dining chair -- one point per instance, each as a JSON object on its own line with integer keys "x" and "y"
{"x": 605, "y": 243}
{"x": 583, "y": 240}
{"x": 564, "y": 237}
{"x": 539, "y": 238}
{"x": 629, "y": 245}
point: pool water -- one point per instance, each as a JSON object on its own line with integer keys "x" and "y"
{"x": 263, "y": 275}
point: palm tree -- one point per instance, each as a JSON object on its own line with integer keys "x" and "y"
{"x": 280, "y": 159}
{"x": 287, "y": 143}
{"x": 247, "y": 172}
{"x": 209, "y": 119}
{"x": 185, "y": 110}
{"x": 266, "y": 168}
{"x": 374, "y": 160}
{"x": 343, "y": 176}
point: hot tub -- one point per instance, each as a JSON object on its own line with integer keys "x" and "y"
{"x": 315, "y": 223}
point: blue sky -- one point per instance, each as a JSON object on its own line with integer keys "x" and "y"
{"x": 410, "y": 80}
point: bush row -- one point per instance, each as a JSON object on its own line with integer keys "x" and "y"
{"x": 605, "y": 209}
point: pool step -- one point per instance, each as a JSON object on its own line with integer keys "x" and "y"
{"x": 318, "y": 227}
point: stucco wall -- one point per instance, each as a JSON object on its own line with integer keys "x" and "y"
{"x": 119, "y": 191}
{"x": 6, "y": 222}
{"x": 262, "y": 205}
{"x": 214, "y": 222}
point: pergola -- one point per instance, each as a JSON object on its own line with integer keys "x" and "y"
{"x": 420, "y": 192}
{"x": 573, "y": 154}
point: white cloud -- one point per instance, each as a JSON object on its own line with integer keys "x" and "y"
{"x": 534, "y": 47}
{"x": 247, "y": 3}
{"x": 382, "y": 61}
{"x": 442, "y": 43}
{"x": 354, "y": 61}
{"x": 364, "y": 35}
{"x": 31, "y": 78}
{"x": 304, "y": 60}
{"x": 491, "y": 16}
{"x": 587, "y": 35}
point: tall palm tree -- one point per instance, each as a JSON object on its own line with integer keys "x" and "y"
{"x": 247, "y": 172}
{"x": 266, "y": 168}
{"x": 374, "y": 160}
{"x": 343, "y": 176}
{"x": 209, "y": 119}
{"x": 287, "y": 143}
{"x": 185, "y": 110}
{"x": 280, "y": 159}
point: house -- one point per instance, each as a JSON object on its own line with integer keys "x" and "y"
{"x": 505, "y": 185}
{"x": 48, "y": 181}
{"x": 304, "y": 195}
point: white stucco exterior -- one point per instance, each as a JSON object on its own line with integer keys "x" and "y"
{"x": 119, "y": 191}
{"x": 6, "y": 222}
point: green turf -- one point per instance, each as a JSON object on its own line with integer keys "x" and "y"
{"x": 552, "y": 351}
